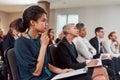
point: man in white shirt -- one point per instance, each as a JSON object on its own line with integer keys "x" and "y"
{"x": 84, "y": 48}
{"x": 96, "y": 42}
{"x": 112, "y": 45}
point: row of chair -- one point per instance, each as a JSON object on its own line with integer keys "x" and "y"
{"x": 10, "y": 61}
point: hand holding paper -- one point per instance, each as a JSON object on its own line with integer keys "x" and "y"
{"x": 105, "y": 56}
{"x": 93, "y": 62}
{"x": 69, "y": 74}
{"x": 67, "y": 70}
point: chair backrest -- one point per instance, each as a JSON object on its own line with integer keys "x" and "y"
{"x": 1, "y": 51}
{"x": 52, "y": 49}
{"x": 10, "y": 60}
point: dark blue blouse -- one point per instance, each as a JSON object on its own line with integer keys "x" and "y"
{"x": 73, "y": 49}
{"x": 26, "y": 54}
{"x": 8, "y": 41}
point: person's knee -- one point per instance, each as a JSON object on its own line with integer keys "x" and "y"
{"x": 101, "y": 69}
{"x": 100, "y": 74}
{"x": 99, "y": 78}
{"x": 104, "y": 69}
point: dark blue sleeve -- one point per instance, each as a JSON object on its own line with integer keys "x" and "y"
{"x": 6, "y": 43}
{"x": 24, "y": 56}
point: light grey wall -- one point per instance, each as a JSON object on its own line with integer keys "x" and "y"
{"x": 15, "y": 15}
{"x": 52, "y": 18}
{"x": 105, "y": 16}
{"x": 7, "y": 18}
{"x": 4, "y": 21}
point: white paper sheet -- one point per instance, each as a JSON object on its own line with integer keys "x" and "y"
{"x": 69, "y": 74}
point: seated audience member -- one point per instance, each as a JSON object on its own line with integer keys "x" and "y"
{"x": 96, "y": 42}
{"x": 11, "y": 36}
{"x": 60, "y": 37}
{"x": 31, "y": 49}
{"x": 66, "y": 55}
{"x": 1, "y": 41}
{"x": 84, "y": 48}
{"x": 3, "y": 68}
{"x": 50, "y": 34}
{"x": 1, "y": 34}
{"x": 112, "y": 45}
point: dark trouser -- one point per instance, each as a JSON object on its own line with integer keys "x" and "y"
{"x": 116, "y": 62}
{"x": 110, "y": 68}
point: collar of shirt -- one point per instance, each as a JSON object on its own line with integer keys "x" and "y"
{"x": 99, "y": 40}
{"x": 85, "y": 41}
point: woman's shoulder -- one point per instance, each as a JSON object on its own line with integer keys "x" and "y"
{"x": 22, "y": 40}
{"x": 7, "y": 37}
{"x": 62, "y": 44}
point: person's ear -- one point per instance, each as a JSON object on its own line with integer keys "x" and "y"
{"x": 110, "y": 37}
{"x": 32, "y": 22}
{"x": 97, "y": 33}
{"x": 68, "y": 31}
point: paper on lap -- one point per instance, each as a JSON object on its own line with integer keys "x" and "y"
{"x": 98, "y": 64}
{"x": 69, "y": 74}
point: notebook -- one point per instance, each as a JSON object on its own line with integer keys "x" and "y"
{"x": 69, "y": 74}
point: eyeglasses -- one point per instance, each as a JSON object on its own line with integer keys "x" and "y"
{"x": 101, "y": 31}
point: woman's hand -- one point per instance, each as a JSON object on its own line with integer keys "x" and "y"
{"x": 105, "y": 57}
{"x": 67, "y": 70}
{"x": 44, "y": 39}
{"x": 92, "y": 62}
{"x": 117, "y": 44}
{"x": 90, "y": 50}
{"x": 57, "y": 70}
{"x": 41, "y": 56}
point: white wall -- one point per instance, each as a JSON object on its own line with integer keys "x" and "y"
{"x": 52, "y": 18}
{"x": 13, "y": 16}
{"x": 7, "y": 18}
{"x": 105, "y": 16}
{"x": 4, "y": 21}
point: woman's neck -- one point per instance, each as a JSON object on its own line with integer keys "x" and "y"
{"x": 69, "y": 38}
{"x": 33, "y": 33}
{"x": 52, "y": 38}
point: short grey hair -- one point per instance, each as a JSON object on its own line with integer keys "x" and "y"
{"x": 67, "y": 27}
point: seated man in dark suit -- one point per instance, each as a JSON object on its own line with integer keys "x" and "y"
{"x": 96, "y": 42}
{"x": 66, "y": 54}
